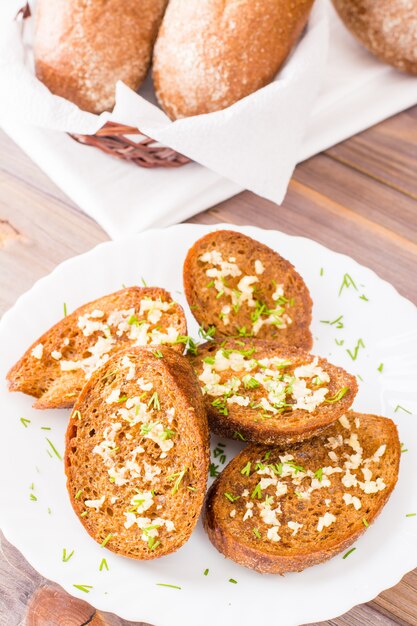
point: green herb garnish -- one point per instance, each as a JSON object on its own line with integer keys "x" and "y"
{"x": 252, "y": 383}
{"x": 206, "y": 571}
{"x": 338, "y": 396}
{"x": 166, "y": 585}
{"x": 399, "y": 407}
{"x": 354, "y": 354}
{"x": 319, "y": 474}
{"x": 347, "y": 282}
{"x": 55, "y": 451}
{"x": 231, "y": 497}
{"x": 337, "y": 322}
{"x": 85, "y": 588}
{"x": 221, "y": 406}
{"x": 179, "y": 476}
{"x": 256, "y": 533}
{"x": 154, "y": 402}
{"x": 246, "y": 470}
{"x": 66, "y": 557}
{"x": 257, "y": 492}
{"x": 103, "y": 565}
{"x": 232, "y": 580}
{"x": 158, "y": 354}
{"x": 207, "y": 333}
{"x": 213, "y": 469}
{"x": 25, "y": 421}
{"x": 106, "y": 540}
{"x": 348, "y": 552}
{"x": 152, "y": 544}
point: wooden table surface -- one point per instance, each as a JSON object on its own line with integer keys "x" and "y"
{"x": 359, "y": 198}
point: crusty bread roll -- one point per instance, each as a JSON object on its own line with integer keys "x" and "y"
{"x": 211, "y": 53}
{"x": 388, "y": 28}
{"x": 82, "y": 48}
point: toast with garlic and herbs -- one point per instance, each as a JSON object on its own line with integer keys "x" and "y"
{"x": 257, "y": 391}
{"x": 279, "y": 511}
{"x": 242, "y": 287}
{"x": 137, "y": 453}
{"x": 56, "y": 366}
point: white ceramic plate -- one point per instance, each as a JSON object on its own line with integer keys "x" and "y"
{"x": 372, "y": 312}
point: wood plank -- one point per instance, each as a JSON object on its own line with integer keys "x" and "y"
{"x": 362, "y": 615}
{"x": 386, "y": 152}
{"x": 37, "y": 232}
{"x": 400, "y": 600}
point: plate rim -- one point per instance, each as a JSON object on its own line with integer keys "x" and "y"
{"x": 391, "y": 577}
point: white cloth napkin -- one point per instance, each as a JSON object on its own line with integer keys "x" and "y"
{"x": 254, "y": 144}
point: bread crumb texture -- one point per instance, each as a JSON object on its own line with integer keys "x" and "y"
{"x": 83, "y": 47}
{"x": 137, "y": 453}
{"x": 211, "y": 53}
{"x": 55, "y": 368}
{"x": 244, "y": 288}
{"x": 388, "y": 28}
{"x": 278, "y": 510}
{"x": 267, "y": 394}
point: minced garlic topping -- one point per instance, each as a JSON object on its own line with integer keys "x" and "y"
{"x": 227, "y": 279}
{"x": 142, "y": 419}
{"x": 37, "y": 351}
{"x": 281, "y": 387}
{"x": 262, "y": 507}
{"x": 139, "y": 327}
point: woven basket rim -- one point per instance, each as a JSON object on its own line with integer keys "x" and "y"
{"x": 112, "y": 137}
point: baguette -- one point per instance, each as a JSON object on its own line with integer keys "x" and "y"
{"x": 256, "y": 391}
{"x": 83, "y": 48}
{"x": 278, "y": 512}
{"x": 242, "y": 287}
{"x": 137, "y": 454}
{"x": 211, "y": 53}
{"x": 55, "y": 368}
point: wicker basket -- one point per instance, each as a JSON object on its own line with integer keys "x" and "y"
{"x": 115, "y": 139}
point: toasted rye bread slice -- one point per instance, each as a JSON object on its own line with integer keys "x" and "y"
{"x": 137, "y": 453}
{"x": 277, "y": 512}
{"x": 242, "y": 287}
{"x": 255, "y": 391}
{"x": 55, "y": 368}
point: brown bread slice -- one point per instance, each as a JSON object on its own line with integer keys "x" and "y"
{"x": 218, "y": 297}
{"x": 240, "y": 365}
{"x": 138, "y": 446}
{"x": 40, "y": 372}
{"x": 329, "y": 516}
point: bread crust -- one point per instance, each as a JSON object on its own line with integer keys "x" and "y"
{"x": 245, "y": 423}
{"x": 211, "y": 53}
{"x": 43, "y": 378}
{"x": 206, "y": 306}
{"x": 82, "y": 49}
{"x": 232, "y": 537}
{"x": 175, "y": 381}
{"x": 387, "y": 28}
